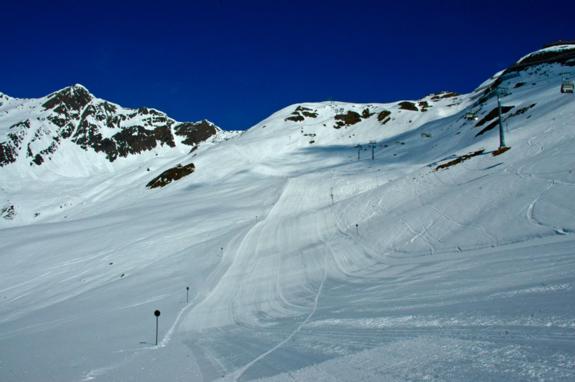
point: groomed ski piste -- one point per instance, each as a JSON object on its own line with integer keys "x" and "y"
{"x": 303, "y": 262}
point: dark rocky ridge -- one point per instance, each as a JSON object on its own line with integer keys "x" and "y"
{"x": 74, "y": 114}
{"x": 73, "y": 98}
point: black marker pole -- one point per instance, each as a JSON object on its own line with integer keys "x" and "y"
{"x": 157, "y": 314}
{"x": 187, "y": 294}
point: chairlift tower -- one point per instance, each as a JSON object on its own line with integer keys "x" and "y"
{"x": 501, "y": 92}
{"x": 501, "y": 131}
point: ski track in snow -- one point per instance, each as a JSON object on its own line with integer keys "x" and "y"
{"x": 237, "y": 375}
{"x": 530, "y": 213}
{"x": 492, "y": 238}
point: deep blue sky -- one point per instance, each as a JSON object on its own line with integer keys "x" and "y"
{"x": 236, "y": 62}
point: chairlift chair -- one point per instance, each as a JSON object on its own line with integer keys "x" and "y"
{"x": 567, "y": 87}
{"x": 471, "y": 116}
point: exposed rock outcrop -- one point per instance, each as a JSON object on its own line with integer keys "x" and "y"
{"x": 171, "y": 175}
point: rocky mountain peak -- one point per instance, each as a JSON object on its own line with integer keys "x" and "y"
{"x": 74, "y": 114}
{"x": 73, "y": 97}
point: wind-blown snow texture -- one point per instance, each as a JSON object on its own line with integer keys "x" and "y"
{"x": 305, "y": 263}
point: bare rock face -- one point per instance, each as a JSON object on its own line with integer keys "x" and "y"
{"x": 406, "y": 105}
{"x": 195, "y": 133}
{"x": 9, "y": 148}
{"x": 384, "y": 116}
{"x": 171, "y": 175}
{"x": 70, "y": 98}
{"x": 73, "y": 114}
{"x": 347, "y": 119}
{"x": 301, "y": 113}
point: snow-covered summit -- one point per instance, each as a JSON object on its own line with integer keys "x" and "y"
{"x": 35, "y": 131}
{"x": 560, "y": 53}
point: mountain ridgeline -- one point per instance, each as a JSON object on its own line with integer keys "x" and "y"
{"x": 37, "y": 128}
{"x": 71, "y": 125}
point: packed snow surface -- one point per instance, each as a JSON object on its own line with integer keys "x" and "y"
{"x": 303, "y": 262}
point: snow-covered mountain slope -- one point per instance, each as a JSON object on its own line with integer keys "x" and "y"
{"x": 306, "y": 258}
{"x": 68, "y": 146}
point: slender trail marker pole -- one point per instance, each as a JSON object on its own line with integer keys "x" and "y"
{"x": 187, "y": 294}
{"x": 157, "y": 314}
